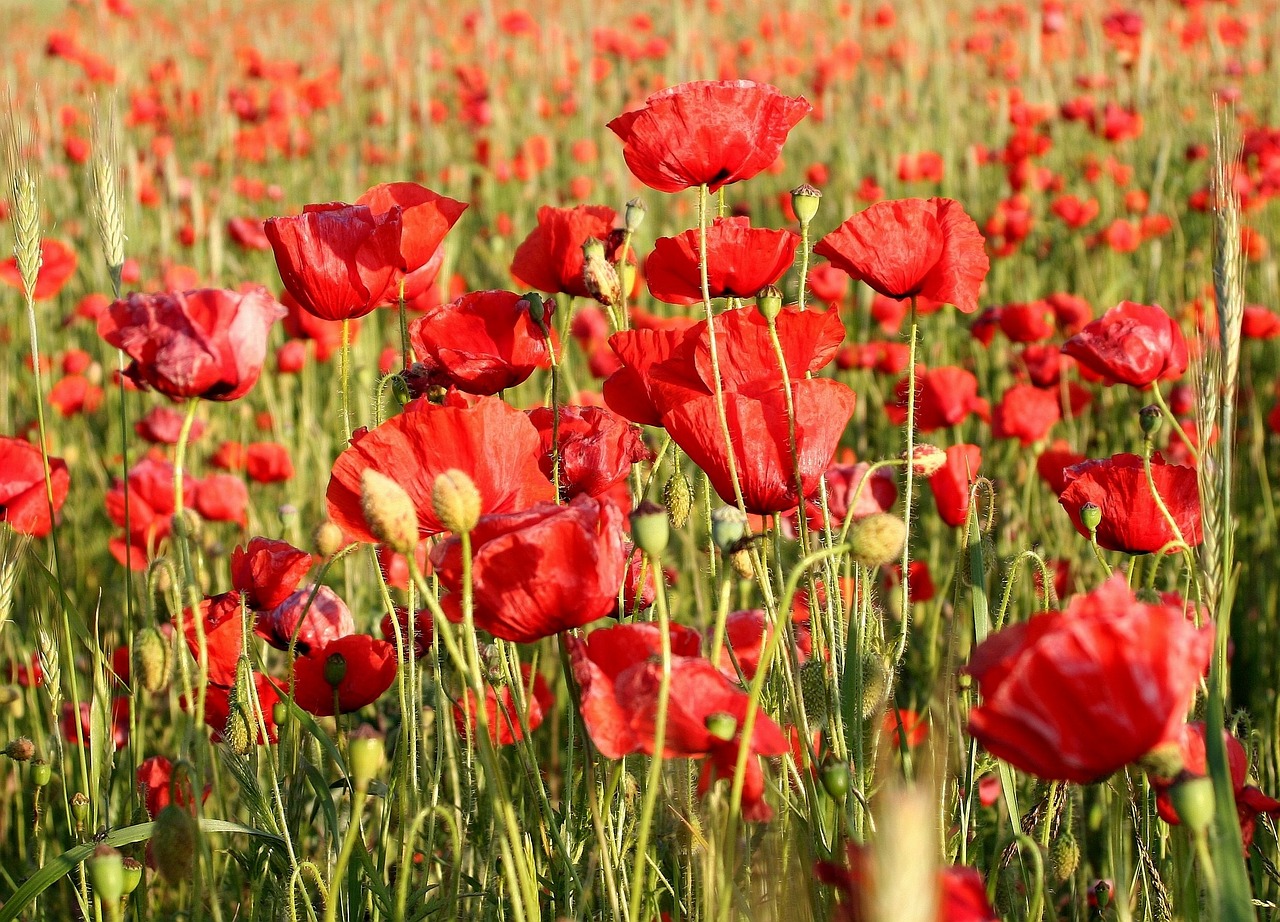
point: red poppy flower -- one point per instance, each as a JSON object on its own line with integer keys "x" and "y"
{"x": 119, "y": 722}
{"x": 745, "y": 634}
{"x": 944, "y": 397}
{"x": 223, "y": 498}
{"x": 492, "y": 443}
{"x": 207, "y": 342}
{"x": 538, "y": 572}
{"x": 1027, "y": 323}
{"x": 73, "y": 395}
{"x": 339, "y": 261}
{"x": 150, "y": 508}
{"x": 1078, "y": 694}
{"x": 1134, "y": 344}
{"x": 324, "y": 619}
{"x": 217, "y": 709}
{"x": 482, "y": 343}
{"x": 1052, "y": 463}
{"x": 155, "y": 782}
{"x": 627, "y": 390}
{"x": 709, "y": 133}
{"x": 425, "y": 218}
{"x": 741, "y": 260}
{"x": 423, "y": 629}
{"x": 57, "y": 265}
{"x": 223, "y": 635}
{"x": 267, "y": 462}
{"x": 24, "y": 500}
{"x": 550, "y": 258}
{"x": 1131, "y": 520}
{"x": 266, "y": 572}
{"x": 597, "y": 448}
{"x": 352, "y": 671}
{"x": 502, "y": 709}
{"x": 912, "y": 247}
{"x": 951, "y": 483}
{"x": 1025, "y": 413}
{"x": 843, "y": 481}
{"x": 962, "y": 895}
{"x": 163, "y": 425}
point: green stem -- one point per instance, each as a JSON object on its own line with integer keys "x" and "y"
{"x": 344, "y": 357}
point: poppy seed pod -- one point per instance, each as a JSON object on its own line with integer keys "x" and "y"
{"x": 722, "y": 726}
{"x": 1091, "y": 516}
{"x": 132, "y": 874}
{"x": 599, "y": 276}
{"x": 388, "y": 511}
{"x": 634, "y": 214}
{"x": 456, "y": 501}
{"x": 335, "y": 669}
{"x": 1150, "y": 418}
{"x": 804, "y": 202}
{"x": 41, "y": 773}
{"x": 1193, "y": 799}
{"x": 650, "y": 529}
{"x": 174, "y": 843}
{"x": 105, "y": 872}
{"x": 327, "y": 539}
{"x": 769, "y": 303}
{"x": 728, "y": 525}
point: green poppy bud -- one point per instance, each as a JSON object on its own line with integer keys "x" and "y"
{"x": 650, "y": 529}
{"x": 728, "y": 525}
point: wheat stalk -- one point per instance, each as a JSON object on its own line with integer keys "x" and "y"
{"x": 24, "y": 198}
{"x": 106, "y": 190}
{"x": 10, "y": 554}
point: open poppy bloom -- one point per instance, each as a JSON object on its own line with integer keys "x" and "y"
{"x": 316, "y": 622}
{"x": 1134, "y": 344}
{"x": 24, "y": 500}
{"x": 741, "y": 260}
{"x": 1131, "y": 520}
{"x": 1078, "y": 694}
{"x": 945, "y": 397}
{"x": 208, "y": 343}
{"x": 425, "y": 218}
{"x": 350, "y": 672}
{"x": 550, "y": 258}
{"x": 266, "y": 572}
{"x": 619, "y": 672}
{"x": 538, "y": 572}
{"x": 57, "y": 265}
{"x": 491, "y": 442}
{"x": 502, "y": 708}
{"x": 962, "y": 895}
{"x": 711, "y": 132}
{"x": 339, "y": 261}
{"x": 597, "y": 448}
{"x": 912, "y": 247}
{"x": 223, "y": 627}
{"x": 482, "y": 343}
{"x": 150, "y": 509}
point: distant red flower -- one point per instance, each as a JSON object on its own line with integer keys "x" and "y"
{"x": 1025, "y": 413}
{"x": 74, "y": 394}
{"x": 709, "y": 133}
{"x": 1078, "y": 694}
{"x": 1131, "y": 520}
{"x": 491, "y": 442}
{"x": 425, "y": 218}
{"x": 843, "y": 482}
{"x": 945, "y": 397}
{"x": 268, "y": 462}
{"x": 155, "y": 782}
{"x": 962, "y": 895}
{"x": 323, "y": 618}
{"x": 207, "y": 343}
{"x": 904, "y": 724}
{"x": 150, "y": 508}
{"x": 162, "y": 426}
{"x": 222, "y": 498}
{"x": 741, "y": 260}
{"x": 1134, "y": 344}
{"x": 482, "y": 343}
{"x": 339, "y": 261}
{"x": 217, "y": 709}
{"x": 952, "y": 482}
{"x": 57, "y": 265}
{"x": 423, "y": 630}
{"x": 502, "y": 711}
{"x": 746, "y": 634}
{"x": 266, "y": 571}
{"x": 550, "y": 258}
{"x": 1028, "y": 322}
{"x": 326, "y": 334}
{"x": 538, "y": 572}
{"x": 119, "y": 722}
{"x": 1260, "y": 322}
{"x": 1052, "y": 463}
{"x": 597, "y": 448}
{"x": 24, "y": 499}
{"x": 247, "y": 233}
{"x": 911, "y": 247}
{"x": 352, "y": 671}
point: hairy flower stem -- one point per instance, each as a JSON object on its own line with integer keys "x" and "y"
{"x": 904, "y": 610}
{"x": 404, "y": 326}
{"x": 344, "y": 373}
{"x": 1173, "y": 421}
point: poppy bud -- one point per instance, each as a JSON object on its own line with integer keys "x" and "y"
{"x": 20, "y": 750}
{"x": 388, "y": 511}
{"x": 1150, "y": 418}
{"x": 105, "y": 871}
{"x": 728, "y": 525}
{"x": 1102, "y": 893}
{"x": 237, "y": 732}
{"x": 878, "y": 539}
{"x": 835, "y": 779}
{"x": 1064, "y": 857}
{"x": 598, "y": 275}
{"x": 188, "y": 524}
{"x": 537, "y": 309}
{"x": 41, "y": 773}
{"x": 650, "y": 529}
{"x": 400, "y": 390}
{"x": 927, "y": 460}
{"x": 173, "y": 843}
{"x": 456, "y": 501}
{"x": 367, "y": 754}
{"x": 1091, "y": 516}
{"x": 804, "y": 202}
{"x": 151, "y": 659}
{"x": 633, "y": 216}
{"x": 327, "y": 539}
{"x": 132, "y": 875}
{"x": 722, "y": 725}
{"x": 813, "y": 691}
{"x": 626, "y": 279}
{"x": 279, "y": 713}
{"x": 875, "y": 684}
{"x": 335, "y": 669}
{"x": 769, "y": 303}
{"x": 1193, "y": 799}
{"x": 678, "y": 496}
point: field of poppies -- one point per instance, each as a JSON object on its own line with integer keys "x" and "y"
{"x": 694, "y": 461}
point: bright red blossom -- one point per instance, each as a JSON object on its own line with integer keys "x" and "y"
{"x": 482, "y": 343}
{"x": 1134, "y": 344}
{"x": 24, "y": 499}
{"x": 741, "y": 260}
{"x": 1131, "y": 520}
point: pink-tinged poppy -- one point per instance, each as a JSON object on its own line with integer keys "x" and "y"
{"x": 351, "y": 672}
{"x": 597, "y": 448}
{"x": 162, "y": 426}
{"x": 962, "y": 895}
{"x": 492, "y": 443}
{"x": 222, "y": 623}
{"x": 315, "y": 620}
{"x": 266, "y": 571}
{"x": 1134, "y": 344}
{"x": 952, "y": 482}
{"x": 538, "y": 572}
{"x": 217, "y": 709}
{"x": 339, "y": 261}
{"x": 711, "y": 133}
{"x": 1025, "y": 413}
{"x": 502, "y": 709}
{"x": 425, "y": 218}
{"x": 1131, "y": 520}
{"x": 57, "y": 265}
{"x": 843, "y": 483}
{"x": 911, "y": 247}
{"x": 482, "y": 343}
{"x": 1079, "y": 694}
{"x": 741, "y": 260}
{"x": 223, "y": 498}
{"x": 24, "y": 498}
{"x": 550, "y": 258}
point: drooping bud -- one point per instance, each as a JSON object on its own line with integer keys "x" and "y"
{"x": 650, "y": 529}
{"x": 927, "y": 460}
{"x": 1091, "y": 516}
{"x": 327, "y": 539}
{"x": 804, "y": 202}
{"x": 814, "y": 692}
{"x": 599, "y": 275}
{"x": 368, "y": 752}
{"x": 722, "y": 725}
{"x": 187, "y": 524}
{"x": 388, "y": 511}
{"x": 537, "y": 309}
{"x": 335, "y": 669}
{"x": 1150, "y": 418}
{"x": 678, "y": 496}
{"x": 1193, "y": 799}
{"x": 20, "y": 750}
{"x": 151, "y": 659}
{"x": 875, "y": 684}
{"x": 769, "y": 303}
{"x": 105, "y": 872}
{"x": 878, "y": 539}
{"x": 456, "y": 500}
{"x": 173, "y": 844}
{"x": 634, "y": 214}
{"x": 1064, "y": 858}
{"x": 400, "y": 390}
{"x": 728, "y": 525}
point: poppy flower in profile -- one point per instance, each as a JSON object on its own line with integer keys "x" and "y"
{"x": 217, "y": 709}
{"x": 208, "y": 342}
{"x": 247, "y": 234}
{"x": 540, "y": 571}
{"x": 339, "y": 261}
{"x": 1077, "y": 695}
{"x": 1131, "y": 520}
{"x": 57, "y": 265}
{"x": 951, "y": 483}
{"x": 911, "y": 247}
{"x": 597, "y": 448}
{"x": 1134, "y": 344}
{"x": 266, "y": 572}
{"x": 550, "y": 258}
{"x": 1025, "y": 413}
{"x": 425, "y": 218}
{"x": 491, "y": 442}
{"x": 24, "y": 499}
{"x": 222, "y": 498}
{"x": 223, "y": 628}
{"x": 502, "y": 709}
{"x": 741, "y": 260}
{"x": 711, "y": 133}
{"x": 482, "y": 343}
{"x": 351, "y": 672}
